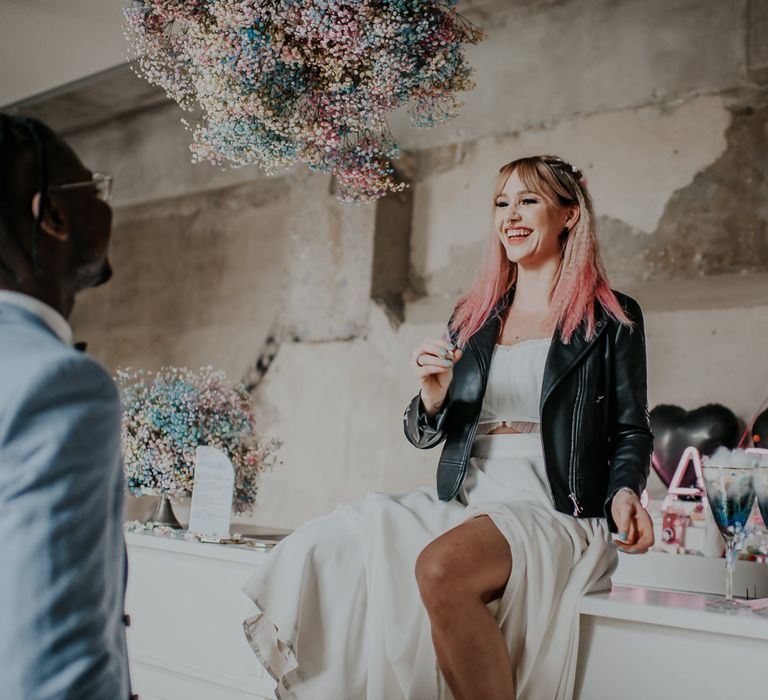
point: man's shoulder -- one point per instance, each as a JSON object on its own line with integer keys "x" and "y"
{"x": 59, "y": 418}
{"x": 34, "y": 361}
{"x": 59, "y": 403}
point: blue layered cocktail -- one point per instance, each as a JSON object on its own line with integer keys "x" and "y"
{"x": 731, "y": 494}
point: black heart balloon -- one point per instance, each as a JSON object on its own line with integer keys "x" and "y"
{"x": 705, "y": 428}
{"x": 760, "y": 430}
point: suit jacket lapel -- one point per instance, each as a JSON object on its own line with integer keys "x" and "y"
{"x": 12, "y": 313}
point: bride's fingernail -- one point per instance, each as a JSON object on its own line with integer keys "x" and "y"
{"x": 443, "y": 352}
{"x": 622, "y": 536}
{"x": 447, "y": 363}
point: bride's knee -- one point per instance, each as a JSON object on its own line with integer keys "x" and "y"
{"x": 438, "y": 581}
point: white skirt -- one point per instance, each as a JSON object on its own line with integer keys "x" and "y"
{"x": 338, "y": 612}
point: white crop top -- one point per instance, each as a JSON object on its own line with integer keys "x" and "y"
{"x": 514, "y": 387}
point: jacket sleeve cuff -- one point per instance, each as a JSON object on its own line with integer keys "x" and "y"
{"x": 609, "y": 500}
{"x": 422, "y": 431}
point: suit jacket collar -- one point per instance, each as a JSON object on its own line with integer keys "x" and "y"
{"x": 29, "y": 310}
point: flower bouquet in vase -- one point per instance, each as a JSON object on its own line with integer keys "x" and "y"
{"x": 168, "y": 414}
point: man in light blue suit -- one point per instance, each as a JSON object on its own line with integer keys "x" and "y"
{"x": 62, "y": 553}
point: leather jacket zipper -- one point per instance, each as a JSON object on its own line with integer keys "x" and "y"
{"x": 575, "y": 422}
{"x": 576, "y": 506}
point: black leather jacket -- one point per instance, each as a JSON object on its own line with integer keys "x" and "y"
{"x": 595, "y": 428}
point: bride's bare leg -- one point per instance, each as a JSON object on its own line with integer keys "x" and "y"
{"x": 458, "y": 574}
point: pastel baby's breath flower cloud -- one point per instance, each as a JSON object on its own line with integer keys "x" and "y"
{"x": 280, "y": 81}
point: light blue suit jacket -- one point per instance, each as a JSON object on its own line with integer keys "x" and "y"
{"x": 62, "y": 551}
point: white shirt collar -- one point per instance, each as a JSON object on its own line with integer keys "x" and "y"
{"x": 52, "y": 318}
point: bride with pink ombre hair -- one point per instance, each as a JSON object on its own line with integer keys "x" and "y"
{"x": 537, "y": 393}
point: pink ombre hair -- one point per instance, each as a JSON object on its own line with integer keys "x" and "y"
{"x": 580, "y": 280}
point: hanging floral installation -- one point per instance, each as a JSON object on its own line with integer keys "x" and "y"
{"x": 280, "y": 81}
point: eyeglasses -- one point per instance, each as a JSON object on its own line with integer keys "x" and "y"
{"x": 101, "y": 183}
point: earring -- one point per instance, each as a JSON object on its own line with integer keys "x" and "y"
{"x": 565, "y": 231}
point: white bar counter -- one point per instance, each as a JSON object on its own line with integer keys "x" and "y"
{"x": 186, "y": 642}
{"x": 643, "y": 643}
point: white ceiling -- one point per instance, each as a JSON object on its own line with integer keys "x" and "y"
{"x": 45, "y": 44}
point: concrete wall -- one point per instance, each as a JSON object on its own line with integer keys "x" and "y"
{"x": 662, "y": 103}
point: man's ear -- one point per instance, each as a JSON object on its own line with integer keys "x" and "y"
{"x": 52, "y": 222}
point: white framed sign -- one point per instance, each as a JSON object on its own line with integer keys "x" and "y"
{"x": 212, "y": 492}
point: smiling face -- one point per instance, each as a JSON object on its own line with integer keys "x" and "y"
{"x": 530, "y": 225}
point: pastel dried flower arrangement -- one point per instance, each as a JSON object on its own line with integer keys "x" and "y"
{"x": 280, "y": 81}
{"x": 167, "y": 414}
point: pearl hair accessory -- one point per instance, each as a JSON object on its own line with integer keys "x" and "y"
{"x": 577, "y": 175}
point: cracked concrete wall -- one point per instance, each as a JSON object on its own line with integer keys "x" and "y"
{"x": 202, "y": 254}
{"x": 146, "y": 151}
{"x": 671, "y": 132}
{"x": 680, "y": 190}
{"x": 195, "y": 283}
{"x": 757, "y": 47}
{"x": 546, "y": 62}
{"x": 634, "y": 160}
{"x": 717, "y": 223}
{"x": 328, "y": 266}
{"x": 663, "y": 103}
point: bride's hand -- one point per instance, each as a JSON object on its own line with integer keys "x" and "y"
{"x": 634, "y": 524}
{"x": 433, "y": 362}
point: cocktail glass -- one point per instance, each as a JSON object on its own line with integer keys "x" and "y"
{"x": 760, "y": 483}
{"x": 731, "y": 493}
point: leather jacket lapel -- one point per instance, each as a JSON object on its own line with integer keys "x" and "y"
{"x": 482, "y": 344}
{"x": 484, "y": 340}
{"x": 561, "y": 357}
